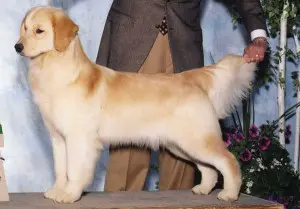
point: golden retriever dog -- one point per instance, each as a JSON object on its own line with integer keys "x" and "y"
{"x": 85, "y": 106}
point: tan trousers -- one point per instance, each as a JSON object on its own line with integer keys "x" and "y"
{"x": 128, "y": 167}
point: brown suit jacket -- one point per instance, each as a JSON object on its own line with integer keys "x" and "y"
{"x": 130, "y": 31}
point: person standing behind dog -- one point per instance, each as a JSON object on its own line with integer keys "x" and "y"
{"x": 162, "y": 36}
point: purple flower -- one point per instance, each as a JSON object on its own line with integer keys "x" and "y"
{"x": 287, "y": 134}
{"x": 264, "y": 143}
{"x": 246, "y": 155}
{"x": 286, "y": 205}
{"x": 227, "y": 139}
{"x": 240, "y": 137}
{"x": 233, "y": 133}
{"x": 253, "y": 131}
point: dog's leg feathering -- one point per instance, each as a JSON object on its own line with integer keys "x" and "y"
{"x": 230, "y": 169}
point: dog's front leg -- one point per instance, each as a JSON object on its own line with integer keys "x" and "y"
{"x": 82, "y": 154}
{"x": 60, "y": 164}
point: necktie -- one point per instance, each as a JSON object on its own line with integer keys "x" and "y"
{"x": 163, "y": 27}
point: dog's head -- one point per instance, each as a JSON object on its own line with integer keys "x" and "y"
{"x": 45, "y": 29}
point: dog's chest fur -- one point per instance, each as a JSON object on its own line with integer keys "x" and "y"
{"x": 57, "y": 102}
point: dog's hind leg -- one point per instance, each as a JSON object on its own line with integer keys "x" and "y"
{"x": 82, "y": 154}
{"x": 209, "y": 176}
{"x": 212, "y": 150}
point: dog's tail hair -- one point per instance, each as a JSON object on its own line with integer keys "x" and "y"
{"x": 231, "y": 82}
{"x": 226, "y": 83}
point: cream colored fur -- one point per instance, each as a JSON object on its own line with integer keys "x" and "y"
{"x": 230, "y": 86}
{"x": 85, "y": 105}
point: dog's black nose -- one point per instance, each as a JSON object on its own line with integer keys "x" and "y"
{"x": 19, "y": 47}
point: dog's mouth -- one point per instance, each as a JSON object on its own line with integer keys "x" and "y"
{"x": 30, "y": 57}
{"x": 34, "y": 57}
{"x": 22, "y": 54}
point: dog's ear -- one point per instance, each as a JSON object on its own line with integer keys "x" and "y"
{"x": 64, "y": 31}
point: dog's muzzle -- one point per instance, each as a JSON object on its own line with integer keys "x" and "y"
{"x": 19, "y": 47}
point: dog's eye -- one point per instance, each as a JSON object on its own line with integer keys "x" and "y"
{"x": 39, "y": 31}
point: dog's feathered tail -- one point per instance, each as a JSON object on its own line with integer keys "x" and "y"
{"x": 226, "y": 83}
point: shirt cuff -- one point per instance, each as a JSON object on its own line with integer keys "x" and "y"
{"x": 258, "y": 33}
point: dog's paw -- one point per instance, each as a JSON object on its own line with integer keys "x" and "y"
{"x": 63, "y": 194}
{"x": 201, "y": 189}
{"x": 227, "y": 196}
{"x": 67, "y": 197}
{"x": 70, "y": 194}
{"x": 53, "y": 193}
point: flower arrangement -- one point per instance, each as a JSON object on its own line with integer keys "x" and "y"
{"x": 266, "y": 167}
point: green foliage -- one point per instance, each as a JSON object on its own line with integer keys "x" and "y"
{"x": 1, "y": 131}
{"x": 296, "y": 84}
{"x": 273, "y": 10}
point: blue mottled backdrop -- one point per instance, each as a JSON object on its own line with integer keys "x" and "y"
{"x": 28, "y": 153}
